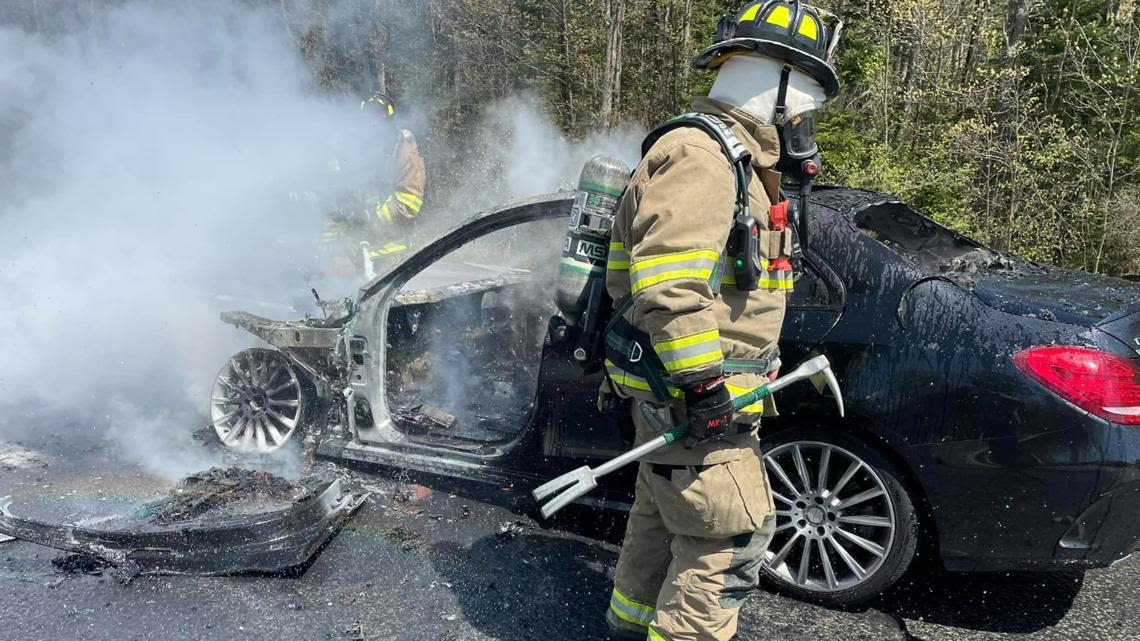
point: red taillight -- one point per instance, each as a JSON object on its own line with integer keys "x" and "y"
{"x": 1103, "y": 384}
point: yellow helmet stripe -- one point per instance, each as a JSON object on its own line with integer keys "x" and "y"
{"x": 808, "y": 28}
{"x": 780, "y": 16}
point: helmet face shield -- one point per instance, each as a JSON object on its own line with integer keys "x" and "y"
{"x": 797, "y": 135}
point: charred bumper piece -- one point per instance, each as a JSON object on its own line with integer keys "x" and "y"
{"x": 262, "y": 542}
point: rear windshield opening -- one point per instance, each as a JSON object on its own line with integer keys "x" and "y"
{"x": 921, "y": 240}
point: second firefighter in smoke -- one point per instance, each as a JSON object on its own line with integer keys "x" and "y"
{"x": 372, "y": 231}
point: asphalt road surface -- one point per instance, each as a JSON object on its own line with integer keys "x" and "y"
{"x": 426, "y": 559}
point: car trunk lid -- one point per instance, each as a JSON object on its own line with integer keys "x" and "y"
{"x": 1062, "y": 295}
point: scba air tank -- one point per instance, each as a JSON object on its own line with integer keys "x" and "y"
{"x": 583, "y": 267}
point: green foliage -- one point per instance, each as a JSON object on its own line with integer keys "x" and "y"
{"x": 1023, "y": 135}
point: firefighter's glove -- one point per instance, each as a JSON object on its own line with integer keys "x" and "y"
{"x": 709, "y": 407}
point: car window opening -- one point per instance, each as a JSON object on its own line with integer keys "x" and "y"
{"x": 929, "y": 245}
{"x": 465, "y": 340}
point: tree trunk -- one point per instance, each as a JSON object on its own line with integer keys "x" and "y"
{"x": 979, "y": 10}
{"x": 566, "y": 77}
{"x": 686, "y": 46}
{"x": 611, "y": 78}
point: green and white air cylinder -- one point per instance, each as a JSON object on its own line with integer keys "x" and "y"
{"x": 600, "y": 186}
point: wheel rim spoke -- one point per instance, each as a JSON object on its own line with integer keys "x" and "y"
{"x": 242, "y": 378}
{"x": 870, "y": 546}
{"x": 781, "y": 498}
{"x": 235, "y": 431}
{"x": 287, "y": 422}
{"x": 859, "y": 498}
{"x": 825, "y": 560}
{"x": 849, "y": 560}
{"x": 259, "y": 433}
{"x": 280, "y": 388}
{"x": 779, "y": 557}
{"x": 843, "y": 480}
{"x": 782, "y": 475}
{"x": 873, "y": 521}
{"x": 276, "y": 436}
{"x": 805, "y": 563}
{"x": 824, "y": 464}
{"x": 801, "y": 467}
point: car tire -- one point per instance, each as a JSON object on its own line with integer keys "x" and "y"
{"x": 862, "y": 515}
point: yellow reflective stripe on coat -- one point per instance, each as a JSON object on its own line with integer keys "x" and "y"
{"x": 619, "y": 257}
{"x": 387, "y": 249}
{"x": 384, "y": 212}
{"x": 411, "y": 201}
{"x": 755, "y": 408}
{"x": 633, "y": 381}
{"x": 629, "y": 610}
{"x": 654, "y": 635}
{"x": 690, "y": 351}
{"x": 697, "y": 264}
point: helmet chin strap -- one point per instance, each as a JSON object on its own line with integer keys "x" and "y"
{"x": 780, "y": 115}
{"x": 803, "y": 170}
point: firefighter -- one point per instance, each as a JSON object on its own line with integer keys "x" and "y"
{"x": 696, "y": 323}
{"x": 384, "y": 227}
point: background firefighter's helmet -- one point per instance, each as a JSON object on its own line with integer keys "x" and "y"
{"x": 782, "y": 29}
{"x": 380, "y": 104}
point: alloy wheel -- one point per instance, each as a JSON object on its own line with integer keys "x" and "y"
{"x": 835, "y": 521}
{"x": 257, "y": 401}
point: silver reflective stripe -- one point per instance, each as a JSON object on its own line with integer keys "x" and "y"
{"x": 703, "y": 264}
{"x": 683, "y": 353}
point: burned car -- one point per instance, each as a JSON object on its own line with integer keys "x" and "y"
{"x": 993, "y": 405}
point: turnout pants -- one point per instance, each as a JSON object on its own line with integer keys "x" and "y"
{"x": 696, "y": 538}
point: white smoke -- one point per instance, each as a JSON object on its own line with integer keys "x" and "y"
{"x": 154, "y": 163}
{"x": 147, "y": 164}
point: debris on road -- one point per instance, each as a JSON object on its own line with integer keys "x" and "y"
{"x": 222, "y": 521}
{"x": 406, "y": 538}
{"x": 15, "y": 457}
{"x": 79, "y": 564}
{"x": 205, "y": 492}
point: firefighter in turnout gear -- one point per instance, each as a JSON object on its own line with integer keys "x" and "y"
{"x": 386, "y": 223}
{"x": 699, "y": 271}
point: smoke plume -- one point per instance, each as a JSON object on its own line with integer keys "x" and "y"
{"x": 160, "y": 163}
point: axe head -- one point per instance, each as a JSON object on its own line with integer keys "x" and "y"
{"x": 825, "y": 379}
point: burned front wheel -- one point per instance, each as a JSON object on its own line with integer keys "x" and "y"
{"x": 258, "y": 401}
{"x": 846, "y": 527}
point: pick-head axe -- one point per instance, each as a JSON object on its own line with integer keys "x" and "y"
{"x": 573, "y": 485}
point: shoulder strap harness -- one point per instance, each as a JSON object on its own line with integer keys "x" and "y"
{"x": 628, "y": 351}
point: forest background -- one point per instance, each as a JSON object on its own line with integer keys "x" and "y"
{"x": 1013, "y": 121}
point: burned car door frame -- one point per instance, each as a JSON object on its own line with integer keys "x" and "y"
{"x": 362, "y": 347}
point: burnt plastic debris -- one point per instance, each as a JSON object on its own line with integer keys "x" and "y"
{"x": 222, "y": 521}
